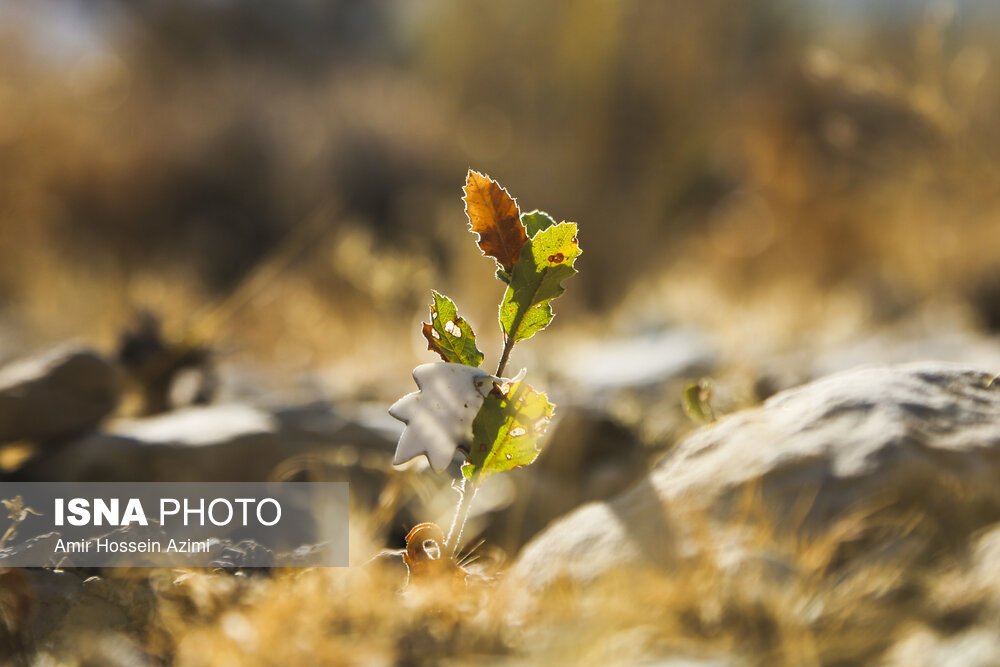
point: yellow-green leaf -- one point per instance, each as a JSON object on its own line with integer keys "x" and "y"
{"x": 697, "y": 402}
{"x": 536, "y": 221}
{"x": 506, "y": 430}
{"x": 545, "y": 261}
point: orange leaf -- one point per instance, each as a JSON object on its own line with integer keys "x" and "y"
{"x": 494, "y": 216}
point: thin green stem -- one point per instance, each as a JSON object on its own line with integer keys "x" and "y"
{"x": 468, "y": 490}
{"x": 461, "y": 516}
{"x": 507, "y": 347}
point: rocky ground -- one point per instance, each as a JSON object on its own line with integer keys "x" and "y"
{"x": 843, "y": 510}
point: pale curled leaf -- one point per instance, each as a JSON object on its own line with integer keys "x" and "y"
{"x": 494, "y": 216}
{"x": 439, "y": 416}
{"x": 697, "y": 401}
{"x": 450, "y": 335}
{"x": 17, "y": 511}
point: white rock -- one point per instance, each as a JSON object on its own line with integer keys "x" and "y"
{"x": 925, "y": 648}
{"x": 197, "y": 426}
{"x": 812, "y": 455}
{"x": 204, "y": 443}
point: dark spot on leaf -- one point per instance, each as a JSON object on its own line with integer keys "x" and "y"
{"x": 466, "y": 405}
{"x": 483, "y": 447}
{"x": 556, "y": 258}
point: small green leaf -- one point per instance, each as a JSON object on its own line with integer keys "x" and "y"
{"x": 450, "y": 335}
{"x": 506, "y": 430}
{"x": 536, "y": 221}
{"x": 696, "y": 400}
{"x": 545, "y": 261}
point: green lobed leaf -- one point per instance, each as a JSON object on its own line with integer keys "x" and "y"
{"x": 536, "y": 221}
{"x": 450, "y": 335}
{"x": 545, "y": 261}
{"x": 506, "y": 430}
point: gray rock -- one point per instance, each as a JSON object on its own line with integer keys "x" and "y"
{"x": 906, "y": 437}
{"x": 64, "y": 392}
{"x": 222, "y": 443}
{"x": 641, "y": 361}
{"x": 363, "y": 426}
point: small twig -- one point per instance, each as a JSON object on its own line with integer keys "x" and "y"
{"x": 18, "y": 512}
{"x": 11, "y": 532}
{"x": 469, "y": 561}
{"x": 462, "y": 558}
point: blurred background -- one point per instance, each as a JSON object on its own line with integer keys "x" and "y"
{"x": 263, "y": 194}
{"x": 284, "y": 180}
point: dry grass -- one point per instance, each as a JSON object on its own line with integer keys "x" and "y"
{"x": 785, "y": 600}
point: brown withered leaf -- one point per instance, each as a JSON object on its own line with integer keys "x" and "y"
{"x": 494, "y": 216}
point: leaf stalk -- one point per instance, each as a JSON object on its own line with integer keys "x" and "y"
{"x": 461, "y": 516}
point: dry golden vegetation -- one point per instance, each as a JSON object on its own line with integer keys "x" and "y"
{"x": 795, "y": 601}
